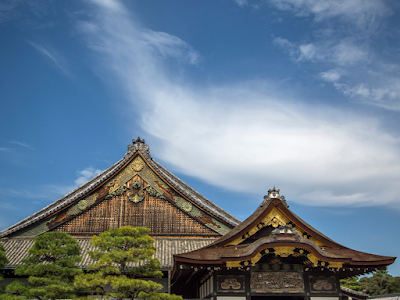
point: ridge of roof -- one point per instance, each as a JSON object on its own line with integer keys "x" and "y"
{"x": 393, "y": 296}
{"x": 194, "y": 195}
{"x": 273, "y": 199}
{"x": 350, "y": 291}
{"x": 243, "y": 251}
{"x": 137, "y": 145}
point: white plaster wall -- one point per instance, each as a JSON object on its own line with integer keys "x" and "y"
{"x": 230, "y": 298}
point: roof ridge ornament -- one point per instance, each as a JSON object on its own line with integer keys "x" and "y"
{"x": 274, "y": 194}
{"x": 140, "y": 145}
{"x": 285, "y": 229}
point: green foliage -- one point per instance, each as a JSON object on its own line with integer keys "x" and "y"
{"x": 8, "y": 296}
{"x": 380, "y": 283}
{"x": 351, "y": 283}
{"x": 3, "y": 261}
{"x": 3, "y": 258}
{"x": 124, "y": 257}
{"x": 50, "y": 267}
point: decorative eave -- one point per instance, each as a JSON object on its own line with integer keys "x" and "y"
{"x": 138, "y": 146}
{"x": 314, "y": 250}
{"x": 272, "y": 202}
{"x": 287, "y": 244}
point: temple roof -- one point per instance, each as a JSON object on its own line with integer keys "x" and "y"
{"x": 87, "y": 196}
{"x": 17, "y": 249}
{"x": 274, "y": 231}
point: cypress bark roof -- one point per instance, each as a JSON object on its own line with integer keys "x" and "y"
{"x": 273, "y": 231}
{"x": 137, "y": 148}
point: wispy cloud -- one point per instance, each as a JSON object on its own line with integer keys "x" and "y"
{"x": 241, "y": 3}
{"x": 5, "y": 149}
{"x": 55, "y": 57}
{"x": 7, "y": 11}
{"x": 21, "y": 144}
{"x": 349, "y": 36}
{"x": 47, "y": 193}
{"x": 245, "y": 136}
{"x": 358, "y": 12}
{"x": 86, "y": 174}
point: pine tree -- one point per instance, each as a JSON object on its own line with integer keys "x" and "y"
{"x": 124, "y": 257}
{"x": 352, "y": 283}
{"x": 3, "y": 261}
{"x": 380, "y": 283}
{"x": 50, "y": 267}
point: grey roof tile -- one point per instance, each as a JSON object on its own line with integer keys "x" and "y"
{"x": 17, "y": 249}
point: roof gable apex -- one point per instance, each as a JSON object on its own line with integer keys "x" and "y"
{"x": 273, "y": 212}
{"x": 112, "y": 182}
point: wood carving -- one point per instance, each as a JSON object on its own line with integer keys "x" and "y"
{"x": 277, "y": 282}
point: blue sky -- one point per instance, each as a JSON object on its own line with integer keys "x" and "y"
{"x": 234, "y": 97}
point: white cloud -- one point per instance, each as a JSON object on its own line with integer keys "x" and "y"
{"x": 86, "y": 174}
{"x": 49, "y": 192}
{"x": 332, "y": 75}
{"x": 348, "y": 36}
{"x": 307, "y": 52}
{"x": 287, "y": 46}
{"x": 386, "y": 95}
{"x": 361, "y": 13}
{"x": 241, "y": 3}
{"x": 342, "y": 54}
{"x": 7, "y": 9}
{"x": 21, "y": 144}
{"x": 56, "y": 58}
{"x": 347, "y": 53}
{"x": 246, "y": 136}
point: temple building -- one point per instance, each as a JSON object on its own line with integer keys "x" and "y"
{"x": 205, "y": 252}
{"x": 135, "y": 191}
{"x": 273, "y": 255}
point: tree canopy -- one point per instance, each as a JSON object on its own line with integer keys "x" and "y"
{"x": 3, "y": 261}
{"x": 124, "y": 257}
{"x": 50, "y": 267}
{"x": 380, "y": 283}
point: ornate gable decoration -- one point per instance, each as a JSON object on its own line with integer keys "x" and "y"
{"x": 136, "y": 180}
{"x": 275, "y": 218}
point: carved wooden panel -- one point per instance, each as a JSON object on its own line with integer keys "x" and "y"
{"x": 159, "y": 215}
{"x": 322, "y": 284}
{"x": 276, "y": 282}
{"x": 230, "y": 283}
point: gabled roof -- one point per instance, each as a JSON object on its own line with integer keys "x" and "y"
{"x": 275, "y": 231}
{"x": 275, "y": 211}
{"x": 84, "y": 197}
{"x": 17, "y": 249}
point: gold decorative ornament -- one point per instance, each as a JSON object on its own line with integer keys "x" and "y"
{"x": 187, "y": 206}
{"x": 136, "y": 199}
{"x": 82, "y": 204}
{"x": 137, "y": 164}
{"x": 230, "y": 283}
{"x": 284, "y": 251}
{"x": 274, "y": 218}
{"x": 241, "y": 263}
